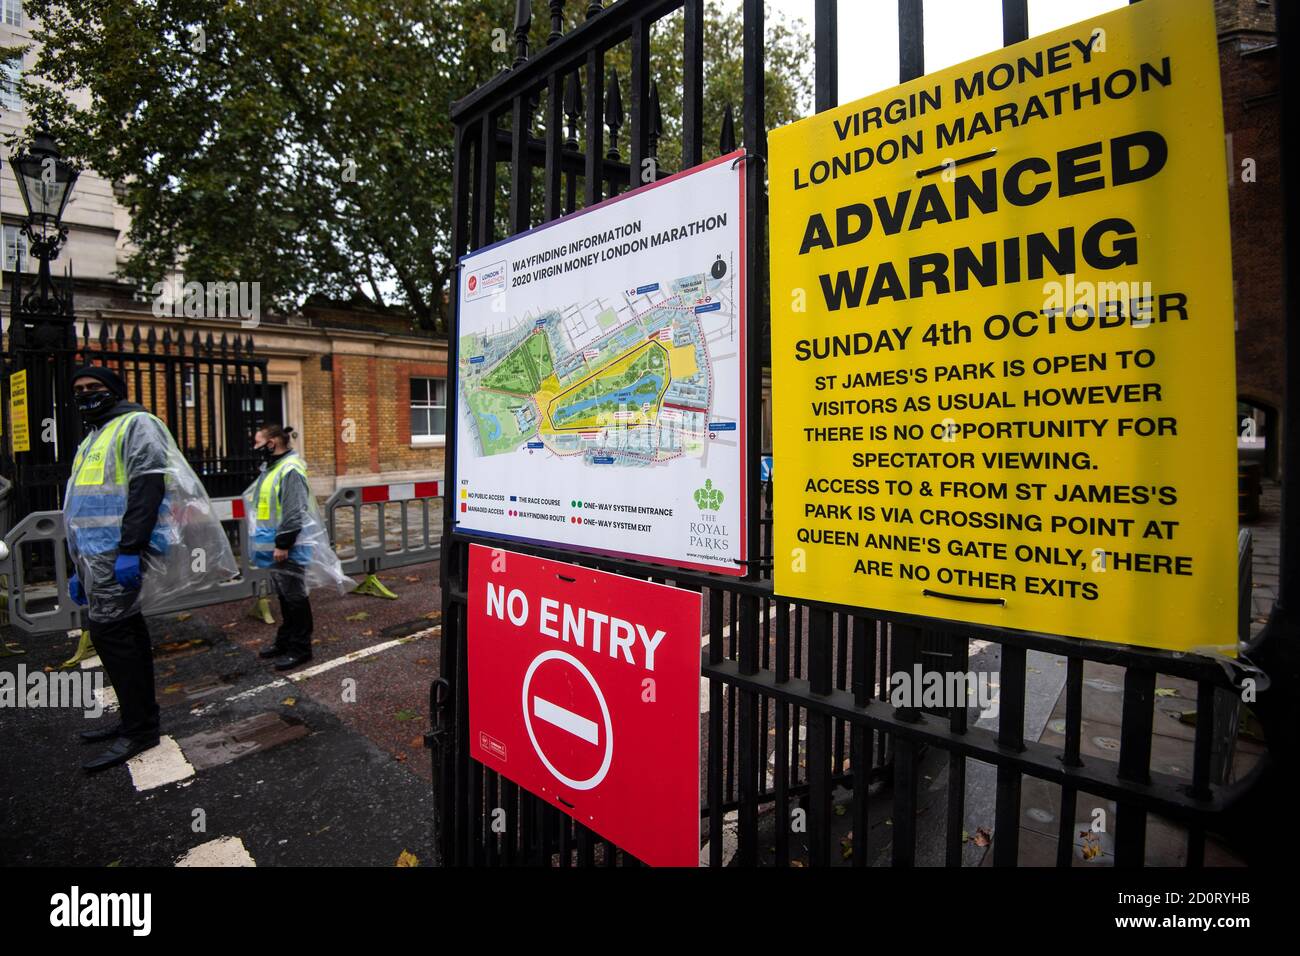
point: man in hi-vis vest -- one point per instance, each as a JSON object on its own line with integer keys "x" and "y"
{"x": 140, "y": 531}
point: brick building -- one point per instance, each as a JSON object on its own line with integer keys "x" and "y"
{"x": 1249, "y": 65}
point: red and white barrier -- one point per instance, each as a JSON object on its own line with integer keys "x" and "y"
{"x": 401, "y": 492}
{"x": 228, "y": 509}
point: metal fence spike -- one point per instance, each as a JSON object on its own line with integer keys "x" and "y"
{"x": 557, "y": 21}
{"x": 523, "y": 20}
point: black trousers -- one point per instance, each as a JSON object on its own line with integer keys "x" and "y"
{"x": 127, "y": 653}
{"x": 294, "y": 635}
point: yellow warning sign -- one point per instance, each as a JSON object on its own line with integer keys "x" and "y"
{"x": 1002, "y": 340}
{"x": 18, "y": 411}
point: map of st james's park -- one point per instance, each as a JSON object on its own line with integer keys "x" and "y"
{"x": 626, "y": 381}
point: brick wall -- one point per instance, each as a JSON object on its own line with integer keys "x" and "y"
{"x": 1251, "y": 105}
{"x": 368, "y": 399}
{"x": 403, "y": 453}
{"x": 318, "y": 417}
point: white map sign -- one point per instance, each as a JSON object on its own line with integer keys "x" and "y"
{"x": 601, "y": 377}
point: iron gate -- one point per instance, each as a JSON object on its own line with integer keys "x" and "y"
{"x": 797, "y": 691}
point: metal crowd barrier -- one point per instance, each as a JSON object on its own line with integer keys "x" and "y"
{"x": 375, "y": 545}
{"x": 43, "y": 607}
{"x": 38, "y": 607}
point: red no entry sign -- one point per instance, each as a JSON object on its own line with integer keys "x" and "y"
{"x": 584, "y": 690}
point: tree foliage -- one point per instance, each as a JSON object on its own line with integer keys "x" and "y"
{"x": 307, "y": 144}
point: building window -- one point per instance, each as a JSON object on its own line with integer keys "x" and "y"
{"x": 428, "y": 410}
{"x": 13, "y": 12}
{"x": 11, "y": 71}
{"x": 15, "y": 249}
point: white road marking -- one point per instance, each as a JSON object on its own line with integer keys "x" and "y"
{"x": 223, "y": 851}
{"x": 107, "y": 698}
{"x": 313, "y": 671}
{"x": 90, "y": 663}
{"x": 575, "y": 724}
{"x": 159, "y": 766}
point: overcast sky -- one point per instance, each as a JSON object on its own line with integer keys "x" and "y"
{"x": 955, "y": 30}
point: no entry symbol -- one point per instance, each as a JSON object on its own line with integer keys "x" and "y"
{"x": 565, "y": 718}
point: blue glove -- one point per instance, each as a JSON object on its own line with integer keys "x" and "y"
{"x": 127, "y": 571}
{"x": 76, "y": 591}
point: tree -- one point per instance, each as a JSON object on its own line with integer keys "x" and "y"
{"x": 307, "y": 144}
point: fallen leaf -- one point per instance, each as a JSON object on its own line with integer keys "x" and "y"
{"x": 840, "y": 809}
{"x": 170, "y": 646}
{"x": 184, "y": 616}
{"x": 171, "y": 688}
{"x": 116, "y": 863}
{"x": 289, "y": 701}
{"x": 1166, "y": 692}
{"x": 433, "y": 616}
{"x": 229, "y": 626}
{"x": 407, "y": 858}
{"x": 405, "y": 714}
{"x": 400, "y": 755}
{"x": 413, "y": 578}
{"x": 368, "y": 632}
{"x": 965, "y": 836}
{"x": 423, "y": 661}
{"x": 983, "y": 837}
{"x": 796, "y": 863}
{"x": 359, "y": 616}
{"x": 1091, "y": 848}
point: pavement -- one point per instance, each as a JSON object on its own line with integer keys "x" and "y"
{"x": 1267, "y": 534}
{"x": 324, "y": 766}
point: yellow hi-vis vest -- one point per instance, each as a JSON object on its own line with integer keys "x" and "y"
{"x": 96, "y": 497}
{"x": 267, "y": 520}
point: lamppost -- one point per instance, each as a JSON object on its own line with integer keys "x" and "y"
{"x": 45, "y": 181}
{"x": 42, "y": 336}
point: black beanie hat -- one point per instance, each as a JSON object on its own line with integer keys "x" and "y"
{"x": 110, "y": 379}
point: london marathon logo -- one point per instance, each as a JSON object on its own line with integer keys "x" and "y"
{"x": 486, "y": 281}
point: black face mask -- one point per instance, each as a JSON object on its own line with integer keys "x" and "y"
{"x": 265, "y": 452}
{"x": 93, "y": 405}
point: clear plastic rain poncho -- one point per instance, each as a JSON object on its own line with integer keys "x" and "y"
{"x": 188, "y": 550}
{"x": 281, "y": 500}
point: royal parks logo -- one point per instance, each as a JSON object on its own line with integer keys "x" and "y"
{"x": 708, "y": 498}
{"x": 708, "y": 535}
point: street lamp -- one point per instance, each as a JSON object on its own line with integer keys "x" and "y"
{"x": 45, "y": 180}
{"x": 43, "y": 316}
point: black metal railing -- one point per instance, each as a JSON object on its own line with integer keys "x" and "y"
{"x": 207, "y": 390}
